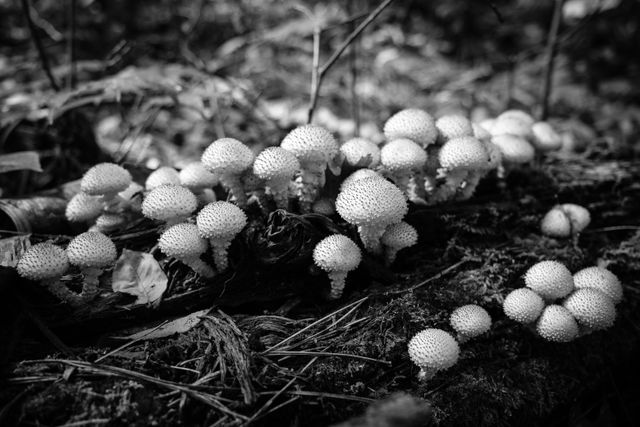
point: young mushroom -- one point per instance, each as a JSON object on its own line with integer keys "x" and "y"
{"x": 433, "y": 350}
{"x": 164, "y": 175}
{"x": 106, "y": 180}
{"x": 83, "y": 208}
{"x": 601, "y": 279}
{"x": 523, "y": 305}
{"x": 337, "y": 255}
{"x": 220, "y": 222}
{"x": 360, "y": 153}
{"x": 514, "y": 148}
{"x": 277, "y": 167}
{"x": 184, "y": 243}
{"x": 411, "y": 123}
{"x": 396, "y": 237}
{"x": 401, "y": 159}
{"x": 453, "y": 126}
{"x": 358, "y": 175}
{"x": 545, "y": 138}
{"x": 228, "y": 158}
{"x": 470, "y": 321}
{"x": 549, "y": 279}
{"x": 557, "y": 324}
{"x": 565, "y": 220}
{"x": 108, "y": 222}
{"x": 592, "y": 308}
{"x": 92, "y": 251}
{"x": 169, "y": 203}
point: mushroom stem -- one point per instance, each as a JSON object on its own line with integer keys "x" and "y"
{"x": 461, "y": 338}
{"x": 370, "y": 235}
{"x": 279, "y": 190}
{"x": 220, "y": 250}
{"x": 199, "y": 266}
{"x": 235, "y": 187}
{"x": 338, "y": 280}
{"x": 454, "y": 178}
{"x": 312, "y": 179}
{"x": 113, "y": 203}
{"x": 426, "y": 374}
{"x": 390, "y": 255}
{"x": 60, "y": 291}
{"x": 401, "y": 179}
{"x": 470, "y": 184}
{"x": 90, "y": 284}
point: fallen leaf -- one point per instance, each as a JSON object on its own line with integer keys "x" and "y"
{"x": 177, "y": 326}
{"x": 138, "y": 273}
{"x": 21, "y": 160}
{"x": 12, "y": 249}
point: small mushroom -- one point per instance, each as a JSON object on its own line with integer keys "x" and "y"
{"x": 592, "y": 308}
{"x": 545, "y": 138}
{"x": 470, "y": 321}
{"x": 433, "y": 350}
{"x": 92, "y": 251}
{"x": 401, "y": 160}
{"x": 337, "y": 255}
{"x": 601, "y": 279}
{"x": 549, "y": 279}
{"x": 200, "y": 181}
{"x": 411, "y": 123}
{"x": 169, "y": 203}
{"x": 220, "y": 222}
{"x": 106, "y": 180}
{"x": 276, "y": 166}
{"x": 184, "y": 243}
{"x": 360, "y": 153}
{"x": 557, "y": 324}
{"x": 83, "y": 208}
{"x": 164, "y": 175}
{"x": 396, "y": 237}
{"x": 453, "y": 126}
{"x": 565, "y": 220}
{"x": 523, "y": 305}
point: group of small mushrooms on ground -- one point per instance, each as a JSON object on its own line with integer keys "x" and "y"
{"x": 423, "y": 161}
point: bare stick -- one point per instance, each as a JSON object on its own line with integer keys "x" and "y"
{"x": 26, "y": 9}
{"x": 72, "y": 44}
{"x": 315, "y": 73}
{"x": 353, "y": 56}
{"x": 552, "y": 44}
{"x": 334, "y": 57}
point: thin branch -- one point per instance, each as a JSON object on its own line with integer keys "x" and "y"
{"x": 26, "y": 9}
{"x": 552, "y": 47}
{"x": 353, "y": 56}
{"x": 72, "y": 44}
{"x": 315, "y": 73}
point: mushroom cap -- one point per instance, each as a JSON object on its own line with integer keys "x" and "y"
{"x": 487, "y": 124}
{"x": 402, "y": 155}
{"x": 221, "y": 220}
{"x": 358, "y": 175}
{"x": 601, "y": 279}
{"x": 556, "y": 223}
{"x": 545, "y": 138}
{"x": 549, "y": 279}
{"x": 83, "y": 207}
{"x": 511, "y": 125}
{"x": 105, "y": 178}
{"x": 453, "y": 126}
{"x": 591, "y": 308}
{"x": 196, "y": 177}
{"x": 470, "y": 320}
{"x": 91, "y": 249}
{"x": 275, "y": 163}
{"x": 412, "y": 123}
{"x": 169, "y": 201}
{"x": 578, "y": 215}
{"x": 370, "y": 201}
{"x": 494, "y": 153}
{"x": 311, "y": 143}
{"x": 227, "y": 156}
{"x": 162, "y": 176}
{"x": 110, "y": 220}
{"x": 523, "y": 305}
{"x": 360, "y": 152}
{"x": 43, "y": 261}
{"x": 557, "y": 324}
{"x": 464, "y": 153}
{"x": 515, "y": 149}
{"x": 480, "y": 132}
{"x": 324, "y": 206}
{"x": 182, "y": 241}
{"x": 523, "y": 116}
{"x": 337, "y": 253}
{"x": 400, "y": 235}
{"x": 132, "y": 190}
{"x": 434, "y": 349}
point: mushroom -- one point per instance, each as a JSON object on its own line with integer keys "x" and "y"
{"x": 106, "y": 180}
{"x": 358, "y": 175}
{"x": 184, "y": 243}
{"x": 108, "y": 222}
{"x": 337, "y": 255}
{"x": 276, "y": 166}
{"x": 360, "y": 153}
{"x": 83, "y": 208}
{"x": 545, "y": 138}
{"x": 557, "y": 324}
{"x": 579, "y": 216}
{"x": 601, "y": 279}
{"x": 169, "y": 203}
{"x": 396, "y": 237}
{"x": 46, "y": 262}
{"x": 92, "y": 251}
{"x": 372, "y": 204}
{"x": 513, "y": 122}
{"x": 228, "y": 158}
{"x": 515, "y": 149}
{"x": 565, "y": 220}
{"x": 411, "y": 123}
{"x": 197, "y": 178}
{"x": 592, "y": 308}
{"x": 220, "y": 222}
{"x": 480, "y": 132}
{"x": 162, "y": 176}
{"x": 324, "y": 206}
{"x": 433, "y": 350}
{"x": 401, "y": 159}
{"x": 453, "y": 126}
{"x": 470, "y": 321}
{"x": 314, "y": 147}
{"x": 523, "y": 305}
{"x": 473, "y": 178}
{"x": 132, "y": 197}
{"x": 549, "y": 279}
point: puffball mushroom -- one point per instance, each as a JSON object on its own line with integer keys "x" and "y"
{"x": 396, "y": 237}
{"x": 337, "y": 255}
{"x": 433, "y": 350}
{"x": 565, "y": 220}
{"x": 523, "y": 305}
{"x": 92, "y": 251}
{"x": 228, "y": 158}
{"x": 277, "y": 166}
{"x": 169, "y": 203}
{"x": 458, "y": 158}
{"x": 162, "y": 176}
{"x": 83, "y": 208}
{"x": 473, "y": 178}
{"x": 513, "y": 122}
{"x": 46, "y": 263}
{"x": 184, "y": 243}
{"x": 132, "y": 197}
{"x": 401, "y": 159}
{"x": 360, "y": 153}
{"x": 411, "y": 123}
{"x": 324, "y": 206}
{"x": 453, "y": 126}
{"x": 314, "y": 147}
{"x": 197, "y": 178}
{"x": 591, "y": 308}
{"x": 470, "y": 321}
{"x": 545, "y": 138}
{"x": 549, "y": 279}
{"x": 557, "y": 324}
{"x": 358, "y": 175}
{"x": 108, "y": 222}
{"x": 106, "y": 180}
{"x": 372, "y": 204}
{"x": 514, "y": 148}
{"x": 601, "y": 279}
{"x": 220, "y": 222}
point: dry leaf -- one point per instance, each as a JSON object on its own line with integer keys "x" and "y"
{"x": 139, "y": 274}
{"x": 21, "y": 160}
{"x": 177, "y": 326}
{"x": 12, "y": 249}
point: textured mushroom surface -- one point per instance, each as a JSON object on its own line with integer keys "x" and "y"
{"x": 371, "y": 201}
{"x": 601, "y": 279}
{"x": 227, "y": 156}
{"x": 453, "y": 126}
{"x": 523, "y": 305}
{"x": 556, "y": 223}
{"x": 91, "y": 250}
{"x": 470, "y": 320}
{"x": 411, "y": 123}
{"x": 396, "y": 237}
{"x": 337, "y": 253}
{"x": 465, "y": 153}
{"x": 360, "y": 152}
{"x": 402, "y": 155}
{"x": 275, "y": 163}
{"x": 43, "y": 261}
{"x": 105, "y": 178}
{"x": 311, "y": 143}
{"x": 434, "y": 349}
{"x": 162, "y": 176}
{"x": 549, "y": 279}
{"x": 182, "y": 241}
{"x": 358, "y": 175}
{"x": 557, "y": 324}
{"x": 221, "y": 220}
{"x": 579, "y": 216}
{"x": 514, "y": 148}
{"x": 83, "y": 207}
{"x": 591, "y": 308}
{"x": 169, "y": 201}
{"x": 196, "y": 177}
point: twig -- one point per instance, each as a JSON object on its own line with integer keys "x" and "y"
{"x": 329, "y": 395}
{"x": 552, "y": 47}
{"x": 326, "y": 353}
{"x": 353, "y": 56}
{"x": 315, "y": 73}
{"x": 432, "y": 278}
{"x": 26, "y": 9}
{"x": 339, "y": 51}
{"x": 72, "y": 44}
{"x": 496, "y": 11}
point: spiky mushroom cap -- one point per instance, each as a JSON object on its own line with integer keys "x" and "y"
{"x": 182, "y": 241}
{"x": 601, "y": 279}
{"x": 311, "y": 144}
{"x": 108, "y": 222}
{"x": 43, "y": 261}
{"x": 513, "y": 122}
{"x": 470, "y": 321}
{"x": 579, "y": 216}
{"x": 453, "y": 126}
{"x": 433, "y": 350}
{"x": 105, "y": 179}
{"x": 337, "y": 253}
{"x": 162, "y": 176}
{"x": 549, "y": 279}
{"x": 514, "y": 148}
{"x": 398, "y": 236}
{"x": 360, "y": 152}
{"x": 221, "y": 221}
{"x": 358, "y": 175}
{"x": 411, "y": 123}
{"x": 557, "y": 324}
{"x": 464, "y": 153}
{"x": 591, "y": 308}
{"x": 523, "y": 305}
{"x": 402, "y": 155}
{"x": 545, "y": 138}
{"x": 196, "y": 177}
{"x": 275, "y": 164}
{"x": 169, "y": 202}
{"x": 91, "y": 249}
{"x": 83, "y": 208}
{"x": 227, "y": 156}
